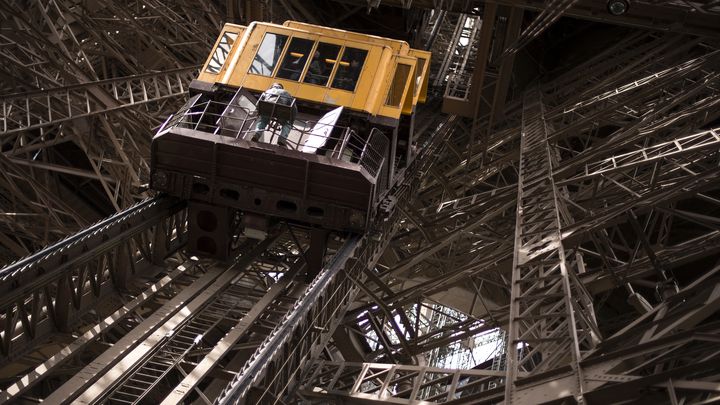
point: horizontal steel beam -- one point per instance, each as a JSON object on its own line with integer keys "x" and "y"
{"x": 38, "y": 109}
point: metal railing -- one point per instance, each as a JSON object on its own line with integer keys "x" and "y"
{"x": 307, "y": 136}
{"x": 396, "y": 384}
{"x": 458, "y": 85}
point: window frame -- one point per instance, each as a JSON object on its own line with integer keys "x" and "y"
{"x": 280, "y": 57}
{"x": 218, "y": 46}
{"x": 317, "y": 39}
{"x": 307, "y": 61}
{"x": 332, "y": 71}
{"x": 354, "y": 45}
{"x": 405, "y": 85}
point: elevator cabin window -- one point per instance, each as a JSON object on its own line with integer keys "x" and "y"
{"x": 268, "y": 54}
{"x": 295, "y": 59}
{"x": 418, "y": 75}
{"x": 397, "y": 87}
{"x": 349, "y": 70}
{"x": 322, "y": 64}
{"x": 221, "y": 52}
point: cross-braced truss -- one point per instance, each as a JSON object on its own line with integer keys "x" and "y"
{"x": 562, "y": 244}
{"x": 83, "y": 84}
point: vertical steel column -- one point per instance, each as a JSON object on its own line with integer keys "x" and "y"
{"x": 551, "y": 320}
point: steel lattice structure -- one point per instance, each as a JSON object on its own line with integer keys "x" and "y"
{"x": 568, "y": 225}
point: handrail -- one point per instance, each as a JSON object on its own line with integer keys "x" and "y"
{"x": 232, "y": 120}
{"x": 308, "y": 305}
{"x": 12, "y": 269}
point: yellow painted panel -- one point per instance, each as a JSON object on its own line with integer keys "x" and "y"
{"x": 398, "y": 46}
{"x": 323, "y": 94}
{"x": 378, "y": 87}
{"x": 372, "y": 84}
{"x": 244, "y": 58}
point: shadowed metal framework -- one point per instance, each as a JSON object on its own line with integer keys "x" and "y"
{"x": 556, "y": 239}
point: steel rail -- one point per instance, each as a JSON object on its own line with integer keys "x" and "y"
{"x": 47, "y": 291}
{"x": 255, "y": 367}
{"x": 228, "y": 299}
{"x": 93, "y": 238}
{"x": 308, "y": 327}
{"x": 25, "y": 382}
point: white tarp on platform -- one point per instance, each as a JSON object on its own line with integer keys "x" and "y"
{"x": 321, "y": 131}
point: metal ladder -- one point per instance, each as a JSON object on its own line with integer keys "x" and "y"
{"x": 544, "y": 313}
{"x": 498, "y": 361}
{"x": 174, "y": 350}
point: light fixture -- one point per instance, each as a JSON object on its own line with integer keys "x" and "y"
{"x": 617, "y": 7}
